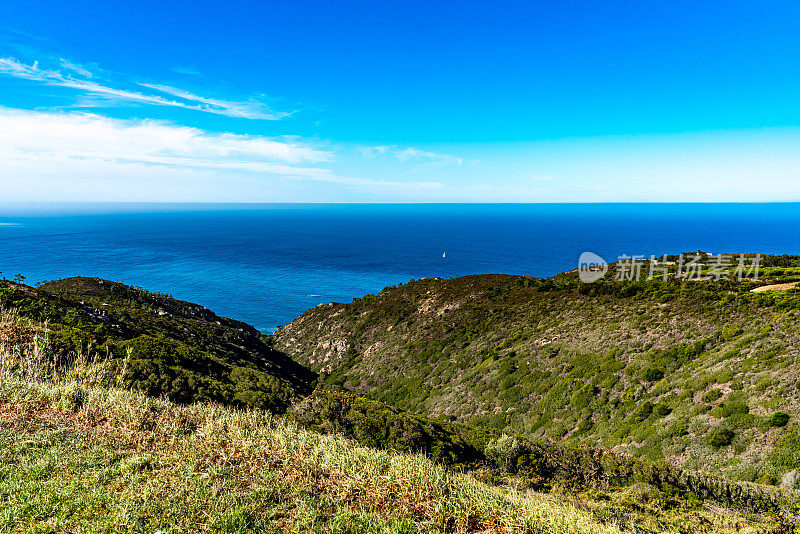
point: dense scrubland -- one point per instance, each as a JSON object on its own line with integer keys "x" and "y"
{"x": 478, "y": 404}
{"x": 703, "y": 374}
{"x": 82, "y": 454}
{"x": 170, "y": 347}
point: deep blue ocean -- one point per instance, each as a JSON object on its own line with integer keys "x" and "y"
{"x": 266, "y": 264}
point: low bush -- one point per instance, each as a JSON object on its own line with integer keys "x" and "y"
{"x": 652, "y": 374}
{"x": 505, "y": 452}
{"x": 643, "y": 412}
{"x": 721, "y": 437}
{"x": 662, "y": 410}
{"x": 778, "y": 419}
{"x": 712, "y": 396}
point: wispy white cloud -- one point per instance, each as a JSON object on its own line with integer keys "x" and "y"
{"x": 77, "y": 69}
{"x": 373, "y": 151}
{"x": 79, "y": 78}
{"x": 90, "y": 135}
{"x": 75, "y": 145}
{"x": 417, "y": 154}
{"x": 249, "y": 109}
{"x": 410, "y": 154}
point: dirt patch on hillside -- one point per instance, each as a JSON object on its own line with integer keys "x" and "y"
{"x": 774, "y": 287}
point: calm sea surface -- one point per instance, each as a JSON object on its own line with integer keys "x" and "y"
{"x": 266, "y": 264}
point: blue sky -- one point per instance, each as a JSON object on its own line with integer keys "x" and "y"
{"x": 400, "y": 101}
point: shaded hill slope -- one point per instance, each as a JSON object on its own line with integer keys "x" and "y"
{"x": 166, "y": 346}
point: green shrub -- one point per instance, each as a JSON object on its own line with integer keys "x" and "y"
{"x": 651, "y": 374}
{"x": 778, "y": 419}
{"x": 741, "y": 421}
{"x": 767, "y": 479}
{"x": 730, "y": 331}
{"x": 585, "y": 425}
{"x": 721, "y": 437}
{"x": 763, "y": 384}
{"x": 643, "y": 412}
{"x": 729, "y": 409}
{"x": 662, "y": 410}
{"x": 679, "y": 429}
{"x": 736, "y": 407}
{"x": 726, "y": 376}
{"x": 504, "y": 451}
{"x": 712, "y": 396}
{"x": 701, "y": 409}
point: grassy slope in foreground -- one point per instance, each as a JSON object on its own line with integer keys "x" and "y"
{"x": 688, "y": 371}
{"x": 88, "y": 459}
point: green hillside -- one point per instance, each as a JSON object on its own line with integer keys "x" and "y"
{"x": 704, "y": 374}
{"x": 162, "y": 345}
{"x": 70, "y": 349}
{"x": 80, "y": 455}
